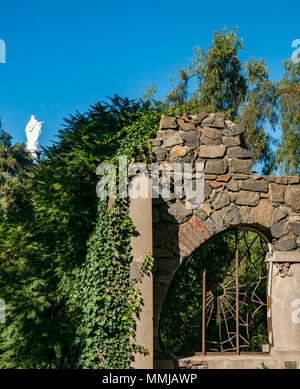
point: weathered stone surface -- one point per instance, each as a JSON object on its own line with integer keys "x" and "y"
{"x": 293, "y": 180}
{"x": 295, "y": 228}
{"x": 264, "y": 212}
{"x": 211, "y": 136}
{"x": 197, "y": 119}
{"x": 232, "y": 215}
{"x": 171, "y": 138}
{"x": 233, "y": 186}
{"x": 186, "y": 126}
{"x": 191, "y": 235}
{"x": 286, "y": 244}
{"x": 221, "y": 200}
{"x": 279, "y": 229}
{"x": 277, "y": 193}
{"x": 292, "y": 197}
{"x": 269, "y": 178}
{"x": 218, "y": 220}
{"x": 238, "y": 152}
{"x": 201, "y": 214}
{"x": 191, "y": 139}
{"x": 167, "y": 122}
{"x": 255, "y": 186}
{"x": 178, "y": 151}
{"x": 160, "y": 153}
{"x": 210, "y": 226}
{"x": 224, "y": 177}
{"x": 215, "y": 184}
{"x": 237, "y": 129}
{"x": 208, "y": 120}
{"x": 247, "y": 198}
{"x": 247, "y": 214}
{"x": 281, "y": 180}
{"x": 215, "y": 166}
{"x": 207, "y": 209}
{"x": 279, "y": 214}
{"x": 175, "y": 212}
{"x": 210, "y": 177}
{"x": 240, "y": 166}
{"x": 240, "y": 176}
{"x": 155, "y": 142}
{"x": 207, "y": 191}
{"x": 210, "y": 141}
{"x": 212, "y": 151}
{"x": 218, "y": 121}
{"x": 210, "y": 132}
{"x": 230, "y": 141}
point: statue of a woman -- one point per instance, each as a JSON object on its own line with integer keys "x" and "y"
{"x": 33, "y": 131}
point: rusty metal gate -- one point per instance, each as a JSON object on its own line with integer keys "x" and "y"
{"x": 231, "y": 309}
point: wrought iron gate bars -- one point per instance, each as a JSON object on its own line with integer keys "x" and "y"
{"x": 238, "y": 260}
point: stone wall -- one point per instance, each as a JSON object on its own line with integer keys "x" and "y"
{"x": 234, "y": 196}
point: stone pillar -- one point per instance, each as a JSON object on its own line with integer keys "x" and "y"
{"x": 286, "y": 303}
{"x": 140, "y": 212}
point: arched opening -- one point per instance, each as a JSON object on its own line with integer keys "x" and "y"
{"x": 217, "y": 300}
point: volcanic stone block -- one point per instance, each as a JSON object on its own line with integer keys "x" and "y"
{"x": 212, "y": 151}
{"x": 221, "y": 200}
{"x": 295, "y": 228}
{"x": 238, "y": 152}
{"x": 210, "y": 226}
{"x": 247, "y": 198}
{"x": 175, "y": 212}
{"x": 171, "y": 138}
{"x": 279, "y": 214}
{"x": 264, "y": 212}
{"x": 230, "y": 141}
{"x": 218, "y": 220}
{"x": 286, "y": 244}
{"x": 277, "y": 193}
{"x": 237, "y": 129}
{"x": 243, "y": 166}
{"x": 191, "y": 139}
{"x": 160, "y": 153}
{"x": 167, "y": 122}
{"x": 232, "y": 186}
{"x": 292, "y": 197}
{"x": 232, "y": 215}
{"x": 255, "y": 186}
{"x": 215, "y": 166}
{"x": 279, "y": 229}
{"x": 178, "y": 151}
{"x": 186, "y": 126}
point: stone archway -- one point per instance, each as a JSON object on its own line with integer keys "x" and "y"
{"x": 234, "y": 196}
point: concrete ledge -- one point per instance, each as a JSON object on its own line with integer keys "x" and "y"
{"x": 288, "y": 361}
{"x": 286, "y": 256}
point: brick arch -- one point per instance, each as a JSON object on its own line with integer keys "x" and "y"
{"x": 234, "y": 197}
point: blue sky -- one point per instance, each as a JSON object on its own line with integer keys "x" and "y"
{"x": 64, "y": 55}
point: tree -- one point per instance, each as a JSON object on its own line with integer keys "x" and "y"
{"x": 242, "y": 91}
{"x": 45, "y": 235}
{"x": 15, "y": 164}
{"x": 288, "y": 152}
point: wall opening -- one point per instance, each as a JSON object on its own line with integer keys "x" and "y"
{"x": 217, "y": 300}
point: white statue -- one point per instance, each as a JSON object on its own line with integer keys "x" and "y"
{"x": 33, "y": 131}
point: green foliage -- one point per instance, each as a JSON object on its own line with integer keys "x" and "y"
{"x": 15, "y": 164}
{"x": 43, "y": 246}
{"x": 244, "y": 92}
{"x": 288, "y": 152}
